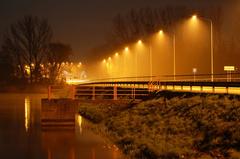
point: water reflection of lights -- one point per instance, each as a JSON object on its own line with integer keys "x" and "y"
{"x": 27, "y": 113}
{"x": 79, "y": 121}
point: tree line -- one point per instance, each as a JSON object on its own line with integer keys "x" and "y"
{"x": 28, "y": 54}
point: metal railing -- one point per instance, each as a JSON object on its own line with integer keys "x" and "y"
{"x": 117, "y": 88}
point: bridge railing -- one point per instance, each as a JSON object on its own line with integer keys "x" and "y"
{"x": 61, "y": 91}
{"x": 109, "y": 91}
{"x": 221, "y": 77}
{"x": 134, "y": 88}
{"x": 186, "y": 86}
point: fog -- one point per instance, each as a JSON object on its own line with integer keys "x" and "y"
{"x": 193, "y": 50}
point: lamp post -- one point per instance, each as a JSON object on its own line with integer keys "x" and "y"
{"x": 125, "y": 61}
{"x": 148, "y": 43}
{"x": 174, "y": 57}
{"x": 150, "y": 57}
{"x": 211, "y": 50}
{"x": 174, "y": 52}
{"x": 139, "y": 43}
{"x": 212, "y": 47}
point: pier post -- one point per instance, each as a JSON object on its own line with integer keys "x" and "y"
{"x": 115, "y": 92}
{"x": 93, "y": 93}
{"x": 49, "y": 92}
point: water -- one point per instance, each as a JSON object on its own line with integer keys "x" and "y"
{"x": 21, "y": 135}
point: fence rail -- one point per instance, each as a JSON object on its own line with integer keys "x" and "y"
{"x": 116, "y": 90}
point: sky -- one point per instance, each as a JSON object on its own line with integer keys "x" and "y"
{"x": 81, "y": 23}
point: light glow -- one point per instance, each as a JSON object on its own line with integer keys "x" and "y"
{"x": 27, "y": 113}
{"x": 160, "y": 32}
{"x": 194, "y": 17}
{"x": 75, "y": 81}
{"x": 139, "y": 42}
{"x": 79, "y": 121}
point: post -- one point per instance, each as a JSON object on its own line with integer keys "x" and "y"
{"x": 49, "y": 92}
{"x": 174, "y": 57}
{"x": 93, "y": 93}
{"x": 136, "y": 66}
{"x": 150, "y": 56}
{"x": 115, "y": 92}
{"x": 212, "y": 60}
{"x": 230, "y": 76}
{"x": 134, "y": 91}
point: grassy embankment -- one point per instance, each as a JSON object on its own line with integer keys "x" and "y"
{"x": 172, "y": 125}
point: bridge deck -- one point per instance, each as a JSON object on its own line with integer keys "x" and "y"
{"x": 142, "y": 89}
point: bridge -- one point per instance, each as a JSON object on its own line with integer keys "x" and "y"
{"x": 116, "y": 89}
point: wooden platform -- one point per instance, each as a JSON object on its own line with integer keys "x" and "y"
{"x": 58, "y": 114}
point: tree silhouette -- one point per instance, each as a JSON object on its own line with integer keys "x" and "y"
{"x": 26, "y": 42}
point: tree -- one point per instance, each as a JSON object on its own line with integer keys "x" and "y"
{"x": 6, "y": 69}
{"x": 26, "y": 42}
{"x": 58, "y": 53}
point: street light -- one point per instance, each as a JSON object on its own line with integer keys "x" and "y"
{"x": 150, "y": 58}
{"x": 139, "y": 43}
{"x": 194, "y": 17}
{"x": 161, "y": 33}
{"x": 174, "y": 57}
{"x": 126, "y": 50}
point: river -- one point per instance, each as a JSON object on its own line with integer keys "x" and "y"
{"x": 21, "y": 135}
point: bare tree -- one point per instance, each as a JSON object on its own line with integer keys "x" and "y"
{"x": 27, "y": 43}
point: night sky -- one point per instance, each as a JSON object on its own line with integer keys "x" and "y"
{"x": 82, "y": 24}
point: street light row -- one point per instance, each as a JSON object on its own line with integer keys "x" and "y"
{"x": 194, "y": 18}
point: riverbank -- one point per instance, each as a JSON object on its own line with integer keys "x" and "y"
{"x": 172, "y": 125}
{"x": 27, "y": 88}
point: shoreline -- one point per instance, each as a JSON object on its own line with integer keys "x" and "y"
{"x": 171, "y": 125}
{"x": 35, "y": 89}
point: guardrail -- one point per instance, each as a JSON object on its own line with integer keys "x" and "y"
{"x": 109, "y": 92}
{"x": 220, "y": 77}
{"x": 61, "y": 91}
{"x": 115, "y": 90}
{"x": 189, "y": 86}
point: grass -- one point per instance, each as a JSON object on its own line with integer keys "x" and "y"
{"x": 172, "y": 125}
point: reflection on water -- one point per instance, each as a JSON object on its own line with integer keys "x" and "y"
{"x": 59, "y": 144}
{"x": 21, "y": 135}
{"x": 27, "y": 113}
{"x": 79, "y": 121}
